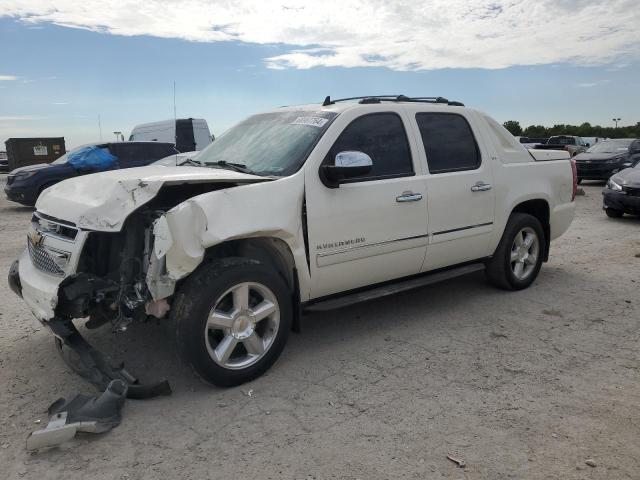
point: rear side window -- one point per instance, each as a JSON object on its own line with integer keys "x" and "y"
{"x": 161, "y": 150}
{"x": 142, "y": 152}
{"x": 448, "y": 142}
{"x": 381, "y": 136}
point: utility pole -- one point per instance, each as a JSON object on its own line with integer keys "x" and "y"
{"x": 616, "y": 120}
{"x": 175, "y": 121}
{"x": 100, "y": 127}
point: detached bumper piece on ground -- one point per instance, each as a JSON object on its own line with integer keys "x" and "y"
{"x": 84, "y": 413}
{"x": 95, "y": 367}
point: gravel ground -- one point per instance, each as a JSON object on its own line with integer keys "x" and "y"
{"x": 520, "y": 385}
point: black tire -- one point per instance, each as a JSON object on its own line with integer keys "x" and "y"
{"x": 579, "y": 181}
{"x": 499, "y": 268}
{"x": 198, "y": 295}
{"x": 613, "y": 213}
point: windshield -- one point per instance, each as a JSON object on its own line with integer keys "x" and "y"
{"x": 611, "y": 146}
{"x": 274, "y": 143}
{"x": 562, "y": 141}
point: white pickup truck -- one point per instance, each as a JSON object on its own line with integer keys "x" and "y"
{"x": 306, "y": 207}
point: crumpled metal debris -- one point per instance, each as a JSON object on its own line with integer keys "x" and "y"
{"x": 457, "y": 460}
{"x": 89, "y": 414}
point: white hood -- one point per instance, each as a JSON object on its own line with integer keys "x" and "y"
{"x": 103, "y": 201}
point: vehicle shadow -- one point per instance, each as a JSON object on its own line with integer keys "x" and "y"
{"x": 440, "y": 312}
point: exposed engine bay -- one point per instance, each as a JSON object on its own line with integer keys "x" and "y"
{"x": 115, "y": 269}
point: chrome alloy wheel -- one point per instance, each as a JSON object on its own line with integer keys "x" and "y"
{"x": 524, "y": 253}
{"x": 242, "y": 325}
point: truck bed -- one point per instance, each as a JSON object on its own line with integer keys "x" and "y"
{"x": 542, "y": 155}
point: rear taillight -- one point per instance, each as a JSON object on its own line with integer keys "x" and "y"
{"x": 574, "y": 173}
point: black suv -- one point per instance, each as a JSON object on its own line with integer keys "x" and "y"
{"x": 25, "y": 184}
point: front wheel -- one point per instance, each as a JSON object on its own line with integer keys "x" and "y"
{"x": 518, "y": 258}
{"x": 233, "y": 318}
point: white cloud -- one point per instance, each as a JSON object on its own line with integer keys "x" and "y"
{"x": 399, "y": 34}
{"x": 19, "y": 118}
{"x": 7, "y": 78}
{"x": 592, "y": 84}
{"x": 59, "y": 103}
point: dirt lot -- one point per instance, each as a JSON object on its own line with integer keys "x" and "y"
{"x": 521, "y": 385}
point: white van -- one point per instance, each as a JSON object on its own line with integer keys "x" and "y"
{"x": 188, "y": 134}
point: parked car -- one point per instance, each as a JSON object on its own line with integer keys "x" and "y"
{"x": 25, "y": 184}
{"x": 528, "y": 142}
{"x": 188, "y": 134}
{"x": 302, "y": 208}
{"x": 4, "y": 162}
{"x": 603, "y": 159}
{"x": 572, "y": 144}
{"x": 622, "y": 193}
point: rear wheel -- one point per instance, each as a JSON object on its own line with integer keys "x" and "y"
{"x": 579, "y": 181}
{"x": 233, "y": 318}
{"x": 613, "y": 213}
{"x": 518, "y": 258}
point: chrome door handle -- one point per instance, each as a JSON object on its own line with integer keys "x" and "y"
{"x": 409, "y": 197}
{"x": 481, "y": 187}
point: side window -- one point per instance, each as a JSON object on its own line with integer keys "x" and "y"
{"x": 448, "y": 142}
{"x": 381, "y": 136}
{"x": 156, "y": 152}
{"x": 128, "y": 154}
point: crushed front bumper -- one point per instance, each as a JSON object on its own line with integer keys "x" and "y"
{"x": 94, "y": 366}
{"x": 36, "y": 276}
{"x": 39, "y": 290}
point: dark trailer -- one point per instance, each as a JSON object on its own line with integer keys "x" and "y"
{"x": 22, "y": 152}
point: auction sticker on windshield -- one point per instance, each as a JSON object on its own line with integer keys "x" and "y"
{"x": 311, "y": 121}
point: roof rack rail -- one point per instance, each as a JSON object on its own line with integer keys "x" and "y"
{"x": 391, "y": 98}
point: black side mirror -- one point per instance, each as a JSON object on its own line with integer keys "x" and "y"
{"x": 587, "y": 144}
{"x": 348, "y": 164}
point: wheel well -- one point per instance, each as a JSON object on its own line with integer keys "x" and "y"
{"x": 267, "y": 250}
{"x": 540, "y": 209}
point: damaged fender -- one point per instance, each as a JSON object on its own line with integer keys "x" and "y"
{"x": 184, "y": 233}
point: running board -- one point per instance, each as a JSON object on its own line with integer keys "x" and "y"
{"x": 393, "y": 288}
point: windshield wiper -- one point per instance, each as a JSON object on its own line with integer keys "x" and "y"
{"x": 190, "y": 161}
{"x": 238, "y": 167}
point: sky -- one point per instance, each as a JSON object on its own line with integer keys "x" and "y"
{"x": 66, "y": 63}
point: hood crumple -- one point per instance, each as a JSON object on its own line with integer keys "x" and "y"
{"x": 103, "y": 201}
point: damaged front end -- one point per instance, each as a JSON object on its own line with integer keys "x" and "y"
{"x": 110, "y": 286}
{"x": 111, "y": 272}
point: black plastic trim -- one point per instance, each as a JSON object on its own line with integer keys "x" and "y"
{"x": 463, "y": 228}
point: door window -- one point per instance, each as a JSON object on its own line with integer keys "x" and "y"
{"x": 448, "y": 142}
{"x": 381, "y": 136}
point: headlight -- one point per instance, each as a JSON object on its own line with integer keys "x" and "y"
{"x": 615, "y": 159}
{"x": 24, "y": 175}
{"x": 613, "y": 185}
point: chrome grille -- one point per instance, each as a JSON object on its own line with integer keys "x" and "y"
{"x": 42, "y": 260}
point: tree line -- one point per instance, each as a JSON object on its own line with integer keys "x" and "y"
{"x": 583, "y": 130}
